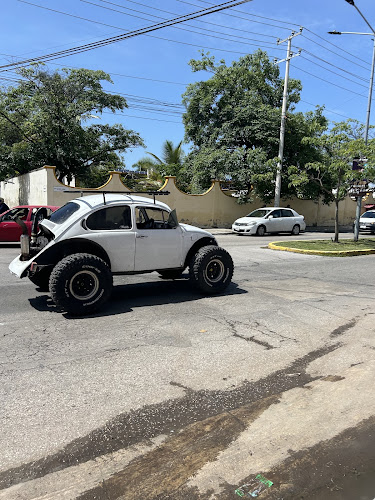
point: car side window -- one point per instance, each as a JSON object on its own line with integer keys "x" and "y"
{"x": 110, "y": 218}
{"x": 286, "y": 213}
{"x": 151, "y": 218}
{"x": 19, "y": 213}
{"x": 276, "y": 214}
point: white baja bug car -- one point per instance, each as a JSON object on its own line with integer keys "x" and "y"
{"x": 83, "y": 244}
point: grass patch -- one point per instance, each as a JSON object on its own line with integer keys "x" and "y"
{"x": 344, "y": 245}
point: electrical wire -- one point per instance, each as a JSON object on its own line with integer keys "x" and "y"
{"x": 334, "y": 45}
{"x": 131, "y": 34}
{"x": 329, "y": 110}
{"x": 334, "y": 72}
{"x": 335, "y": 66}
{"x": 248, "y": 14}
{"x": 148, "y": 118}
{"x": 294, "y": 24}
{"x": 201, "y": 22}
{"x": 327, "y": 81}
{"x": 205, "y": 33}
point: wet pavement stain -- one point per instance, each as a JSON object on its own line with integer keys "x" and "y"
{"x": 256, "y": 341}
{"x": 342, "y": 468}
{"x": 343, "y": 328}
{"x": 166, "y": 469}
{"x": 167, "y": 418}
{"x": 333, "y": 378}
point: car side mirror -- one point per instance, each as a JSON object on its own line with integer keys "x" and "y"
{"x": 270, "y": 216}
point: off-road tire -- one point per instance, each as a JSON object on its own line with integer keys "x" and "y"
{"x": 170, "y": 274}
{"x": 261, "y": 231}
{"x": 80, "y": 283}
{"x": 41, "y": 279}
{"x": 211, "y": 269}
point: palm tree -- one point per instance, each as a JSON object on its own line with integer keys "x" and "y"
{"x": 145, "y": 165}
{"x": 171, "y": 160}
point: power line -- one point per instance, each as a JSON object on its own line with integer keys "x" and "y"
{"x": 17, "y": 127}
{"x": 334, "y": 72}
{"x": 327, "y": 81}
{"x": 130, "y": 34}
{"x": 204, "y": 22}
{"x": 336, "y": 46}
{"x": 329, "y": 110}
{"x": 248, "y": 14}
{"x": 180, "y": 28}
{"x": 294, "y": 24}
{"x": 143, "y": 117}
{"x": 334, "y": 65}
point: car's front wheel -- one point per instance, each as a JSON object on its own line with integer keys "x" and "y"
{"x": 81, "y": 283}
{"x": 261, "y": 231}
{"x": 211, "y": 269}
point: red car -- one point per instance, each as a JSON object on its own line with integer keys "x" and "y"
{"x": 10, "y": 230}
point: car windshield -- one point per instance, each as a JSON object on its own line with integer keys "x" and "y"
{"x": 368, "y": 215}
{"x": 261, "y": 212}
{"x": 62, "y": 214}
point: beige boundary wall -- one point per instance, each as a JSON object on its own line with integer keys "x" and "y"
{"x": 214, "y": 208}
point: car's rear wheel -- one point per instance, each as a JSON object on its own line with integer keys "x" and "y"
{"x": 211, "y": 269}
{"x": 81, "y": 283}
{"x": 41, "y": 279}
{"x": 261, "y": 231}
{"x": 295, "y": 230}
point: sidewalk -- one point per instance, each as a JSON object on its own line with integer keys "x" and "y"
{"x": 309, "y": 229}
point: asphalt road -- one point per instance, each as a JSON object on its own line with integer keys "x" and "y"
{"x": 166, "y": 394}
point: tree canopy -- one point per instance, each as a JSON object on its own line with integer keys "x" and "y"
{"x": 43, "y": 121}
{"x": 233, "y": 121}
{"x": 332, "y": 174}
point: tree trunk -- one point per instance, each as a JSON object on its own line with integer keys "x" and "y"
{"x": 336, "y": 240}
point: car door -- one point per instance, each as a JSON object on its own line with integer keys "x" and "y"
{"x": 289, "y": 220}
{"x": 112, "y": 228}
{"x": 274, "y": 222}
{"x": 158, "y": 242}
{"x": 9, "y": 229}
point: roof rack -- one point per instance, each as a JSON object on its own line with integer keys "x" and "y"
{"x": 153, "y": 193}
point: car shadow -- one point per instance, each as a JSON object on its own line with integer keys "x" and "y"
{"x": 127, "y": 297}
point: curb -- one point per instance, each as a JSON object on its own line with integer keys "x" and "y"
{"x": 277, "y": 245}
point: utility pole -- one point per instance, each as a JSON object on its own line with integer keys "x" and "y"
{"x": 289, "y": 56}
{"x": 359, "y": 197}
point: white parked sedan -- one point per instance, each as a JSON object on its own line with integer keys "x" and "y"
{"x": 270, "y": 220}
{"x": 367, "y": 221}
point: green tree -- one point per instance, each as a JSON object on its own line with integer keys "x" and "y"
{"x": 172, "y": 158}
{"x": 233, "y": 121}
{"x": 43, "y": 121}
{"x": 171, "y": 163}
{"x": 332, "y": 175}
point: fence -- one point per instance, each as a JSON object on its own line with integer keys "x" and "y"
{"x": 214, "y": 208}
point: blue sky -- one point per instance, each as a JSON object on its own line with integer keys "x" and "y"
{"x": 152, "y": 71}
